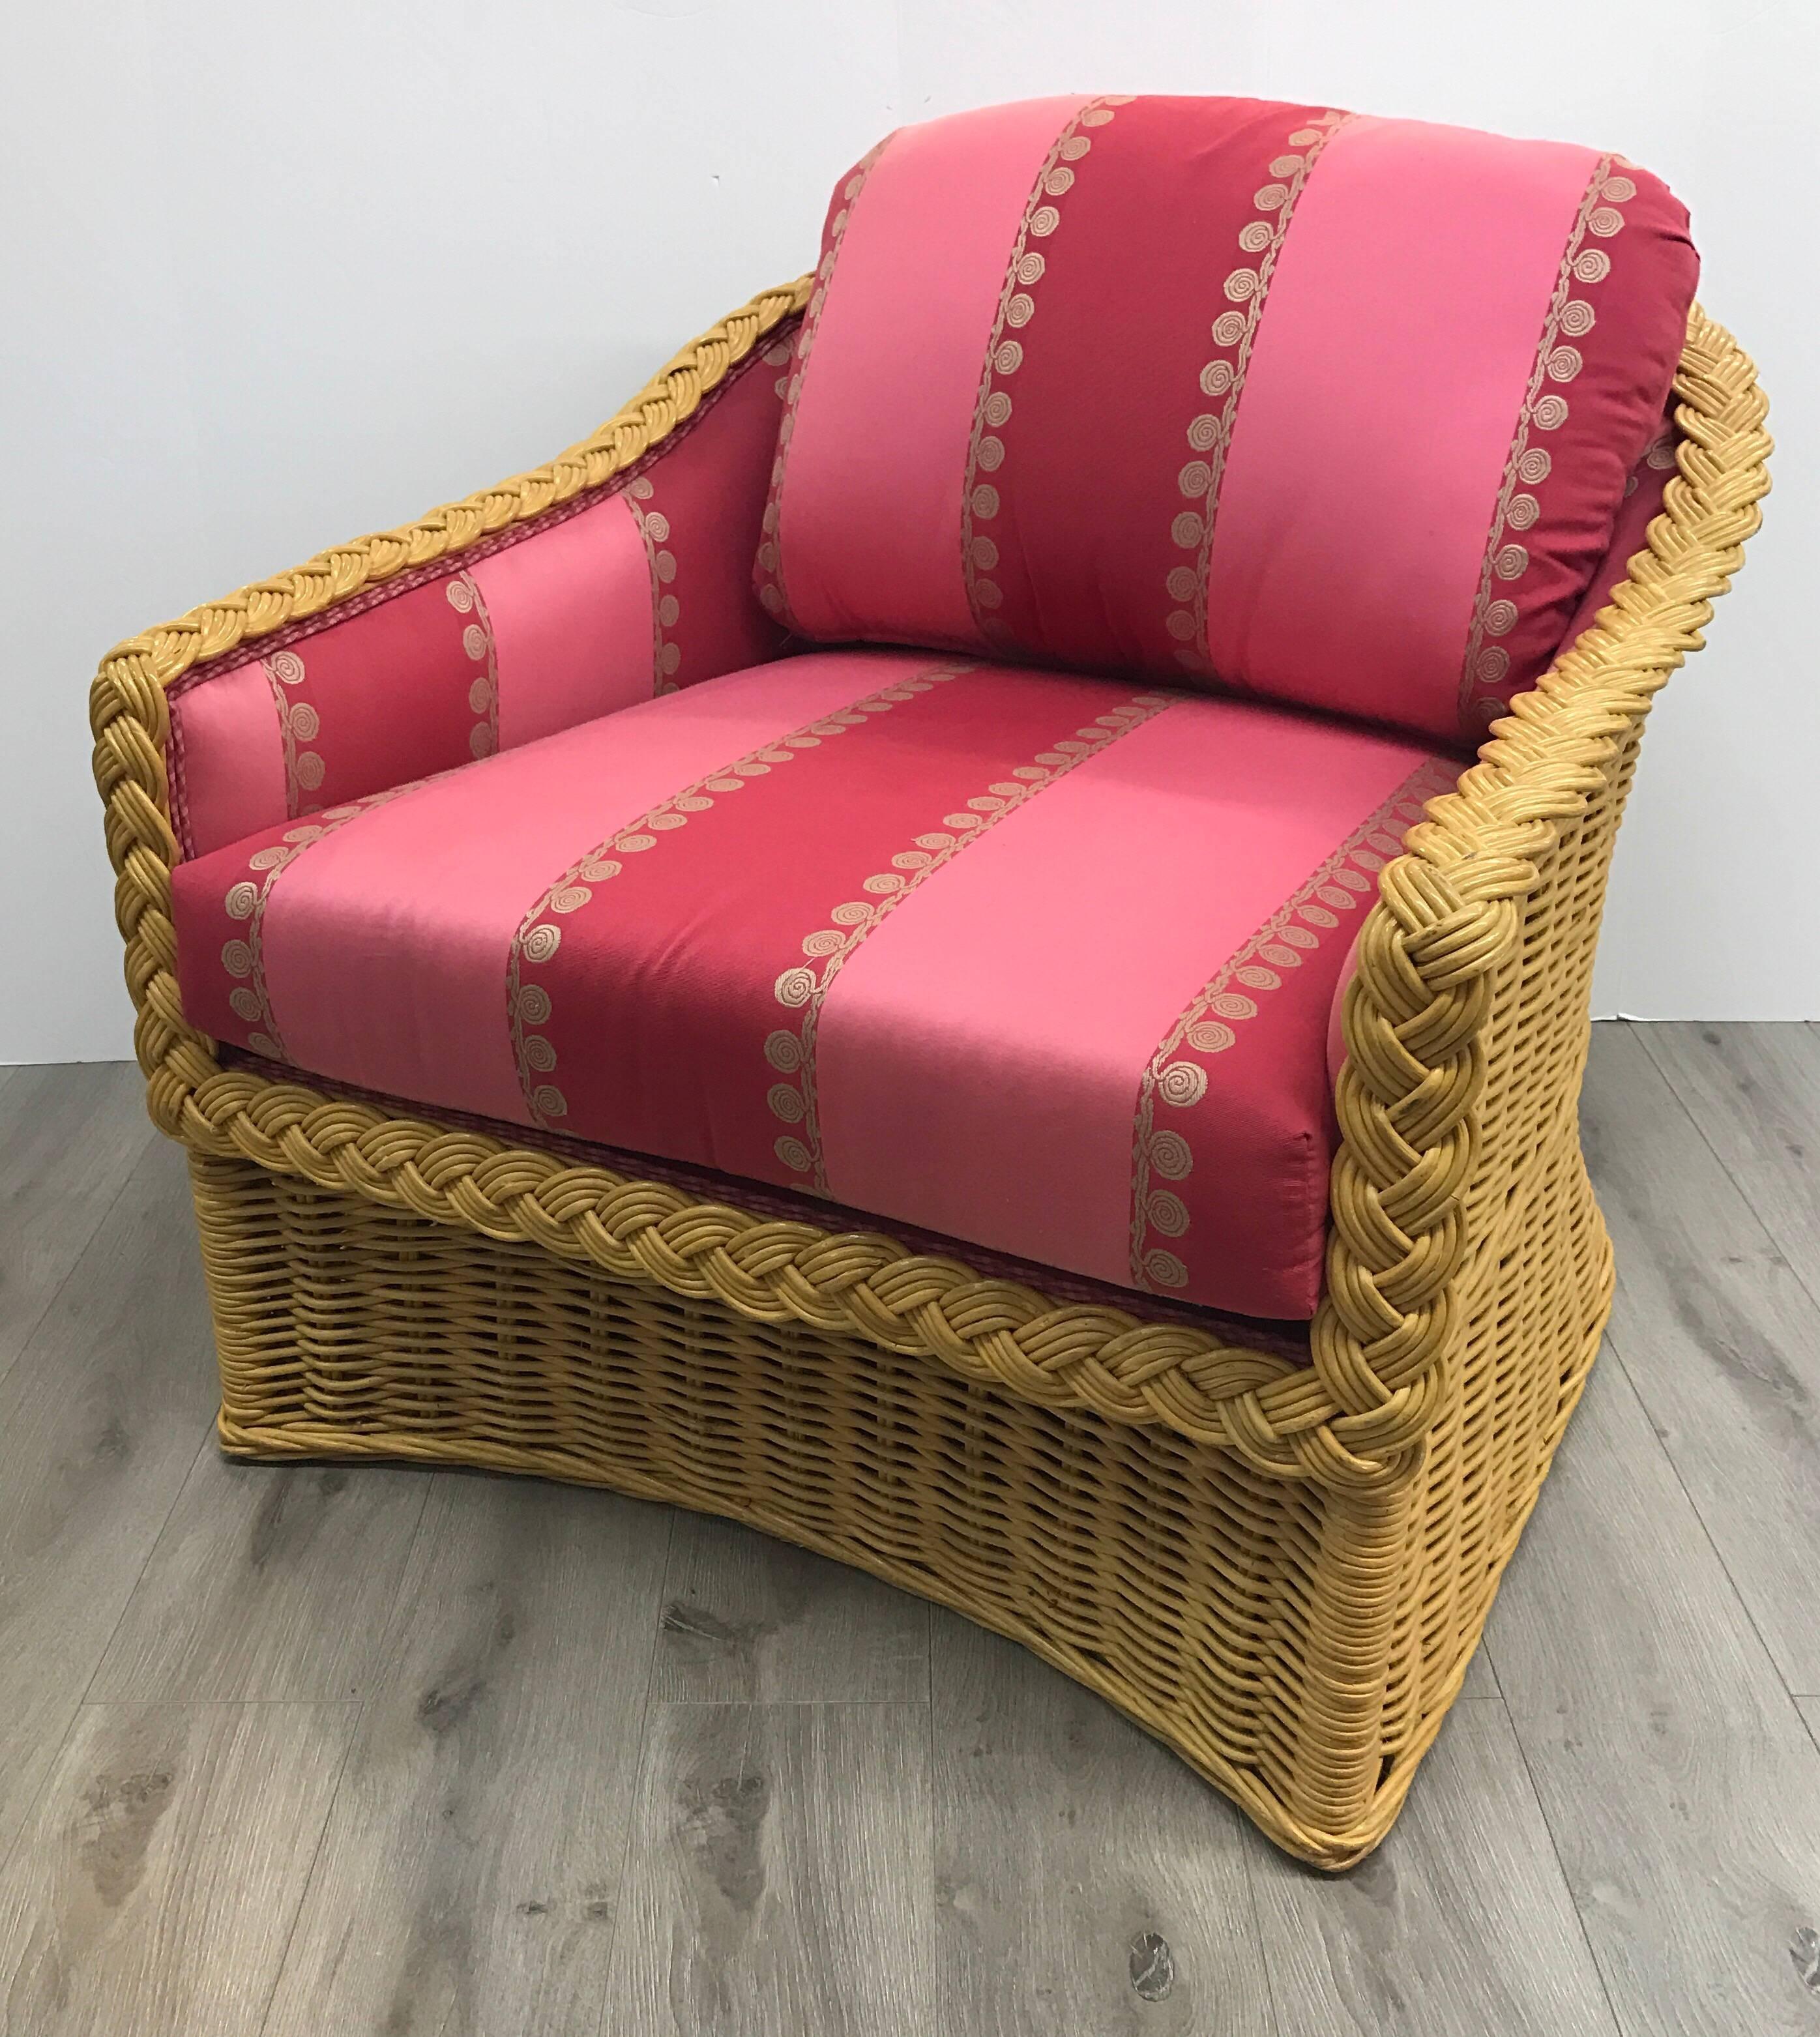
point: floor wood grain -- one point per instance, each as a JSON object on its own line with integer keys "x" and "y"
{"x": 156, "y": 1887}
{"x": 1480, "y": 1677}
{"x": 267, "y": 1582}
{"x": 779, "y": 1880}
{"x": 1616, "y": 1601}
{"x": 70, "y": 1137}
{"x": 469, "y": 1880}
{"x": 1084, "y": 1880}
{"x": 1721, "y": 1338}
{"x": 746, "y": 1618}
{"x": 1692, "y": 1851}
{"x": 100, "y": 1420}
{"x": 1753, "y": 1094}
{"x": 1680, "y": 1787}
{"x": 1464, "y": 1925}
{"x": 528, "y": 1758}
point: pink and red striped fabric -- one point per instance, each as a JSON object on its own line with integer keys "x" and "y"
{"x": 640, "y": 589}
{"x": 1179, "y": 401}
{"x": 1036, "y": 960}
{"x": 1330, "y": 409}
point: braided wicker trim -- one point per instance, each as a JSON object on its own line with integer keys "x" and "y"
{"x": 1416, "y": 1015}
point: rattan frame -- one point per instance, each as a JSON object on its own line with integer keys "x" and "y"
{"x": 1280, "y": 1570}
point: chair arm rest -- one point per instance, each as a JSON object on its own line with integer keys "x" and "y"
{"x": 1466, "y": 1020}
{"x": 130, "y": 707}
{"x": 621, "y": 568}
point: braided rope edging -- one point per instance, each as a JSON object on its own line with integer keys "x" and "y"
{"x": 1449, "y": 911}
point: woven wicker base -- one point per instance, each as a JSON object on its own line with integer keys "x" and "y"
{"x": 1173, "y": 1581}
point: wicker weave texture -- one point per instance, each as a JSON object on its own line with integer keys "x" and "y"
{"x": 1279, "y": 1569}
{"x": 1178, "y": 1582}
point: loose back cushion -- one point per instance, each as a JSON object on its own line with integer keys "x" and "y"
{"x": 1334, "y": 409}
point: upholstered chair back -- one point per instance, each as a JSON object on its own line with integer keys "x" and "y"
{"x": 1334, "y": 411}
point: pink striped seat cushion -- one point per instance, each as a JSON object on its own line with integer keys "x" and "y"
{"x": 1327, "y": 409}
{"x": 1036, "y": 960}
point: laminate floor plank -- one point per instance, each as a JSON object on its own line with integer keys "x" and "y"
{"x": 747, "y": 1618}
{"x": 1753, "y": 1091}
{"x": 1085, "y": 1879}
{"x": 100, "y": 1420}
{"x": 1693, "y": 1850}
{"x": 268, "y": 1582}
{"x": 469, "y": 1880}
{"x": 1720, "y": 1338}
{"x": 1481, "y": 1675}
{"x": 778, "y": 1883}
{"x": 1459, "y": 1926}
{"x": 68, "y": 1138}
{"x": 1615, "y": 1601}
{"x": 161, "y": 1872}
{"x": 1680, "y": 1788}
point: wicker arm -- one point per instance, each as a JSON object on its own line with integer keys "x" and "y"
{"x": 1449, "y": 1378}
{"x": 620, "y": 570}
{"x": 130, "y": 714}
{"x": 1465, "y": 1023}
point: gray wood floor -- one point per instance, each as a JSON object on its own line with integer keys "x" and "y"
{"x": 309, "y": 1750}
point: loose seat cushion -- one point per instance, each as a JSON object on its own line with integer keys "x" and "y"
{"x": 1036, "y": 960}
{"x": 1331, "y": 409}
{"x": 623, "y": 592}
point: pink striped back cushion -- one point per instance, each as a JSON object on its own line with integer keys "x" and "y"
{"x": 1334, "y": 409}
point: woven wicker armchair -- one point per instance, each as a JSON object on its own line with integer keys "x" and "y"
{"x": 1276, "y": 1557}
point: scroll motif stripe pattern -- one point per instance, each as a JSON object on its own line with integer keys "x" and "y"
{"x": 803, "y": 992}
{"x": 759, "y": 902}
{"x": 767, "y": 571}
{"x": 869, "y": 524}
{"x": 227, "y": 760}
{"x": 341, "y": 735}
{"x": 418, "y": 901}
{"x": 644, "y": 588}
{"x": 1418, "y": 273}
{"x": 926, "y": 937}
{"x": 982, "y": 494}
{"x": 537, "y": 971}
{"x": 1098, "y": 576}
{"x": 573, "y": 608}
{"x": 1566, "y": 465}
{"x": 1180, "y": 1210}
{"x": 993, "y": 1042}
{"x": 1264, "y": 396}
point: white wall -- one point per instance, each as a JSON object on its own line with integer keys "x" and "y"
{"x": 276, "y": 275}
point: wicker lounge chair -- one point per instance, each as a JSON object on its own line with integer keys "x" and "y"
{"x": 1261, "y": 1508}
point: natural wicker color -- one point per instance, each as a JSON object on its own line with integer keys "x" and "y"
{"x": 1280, "y": 1570}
